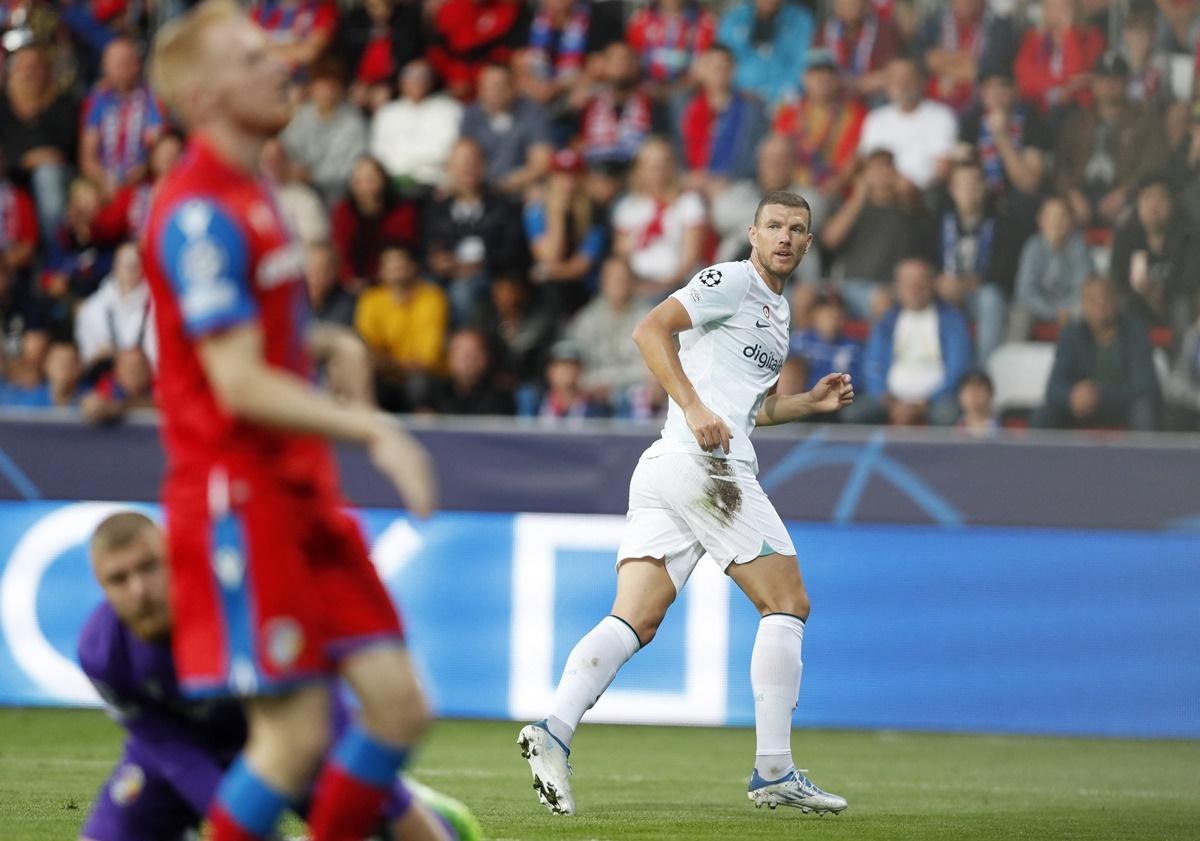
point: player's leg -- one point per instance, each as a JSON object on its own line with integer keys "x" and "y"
{"x": 774, "y": 585}
{"x": 363, "y": 633}
{"x": 288, "y": 736}
{"x": 419, "y": 813}
{"x": 644, "y": 593}
{"x": 741, "y": 531}
{"x": 244, "y": 624}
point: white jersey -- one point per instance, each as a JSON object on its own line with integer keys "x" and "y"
{"x": 732, "y": 354}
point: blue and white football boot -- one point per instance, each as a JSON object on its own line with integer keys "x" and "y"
{"x": 795, "y": 790}
{"x": 548, "y": 761}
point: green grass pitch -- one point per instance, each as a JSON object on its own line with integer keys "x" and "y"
{"x": 677, "y": 784}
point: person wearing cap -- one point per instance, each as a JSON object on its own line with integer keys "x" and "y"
{"x": 567, "y": 233}
{"x": 1104, "y": 151}
{"x": 1055, "y": 58}
{"x": 327, "y": 134}
{"x": 514, "y": 132}
{"x": 823, "y": 126}
{"x": 564, "y": 398}
{"x": 952, "y": 41}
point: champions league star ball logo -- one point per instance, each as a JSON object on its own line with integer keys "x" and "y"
{"x": 710, "y": 277}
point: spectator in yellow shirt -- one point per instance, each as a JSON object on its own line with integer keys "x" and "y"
{"x": 403, "y": 321}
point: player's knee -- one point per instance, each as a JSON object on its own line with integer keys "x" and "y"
{"x": 794, "y": 604}
{"x": 398, "y": 713}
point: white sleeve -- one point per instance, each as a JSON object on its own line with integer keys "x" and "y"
{"x": 713, "y": 294}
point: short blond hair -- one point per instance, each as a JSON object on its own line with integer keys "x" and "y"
{"x": 177, "y": 58}
{"x": 118, "y": 531}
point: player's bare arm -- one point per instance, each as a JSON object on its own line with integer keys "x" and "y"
{"x": 347, "y": 359}
{"x": 832, "y": 392}
{"x": 655, "y": 338}
{"x": 250, "y": 389}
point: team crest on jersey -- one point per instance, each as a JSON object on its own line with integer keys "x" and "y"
{"x": 766, "y": 312}
{"x": 127, "y": 784}
{"x": 710, "y": 277}
{"x": 285, "y": 640}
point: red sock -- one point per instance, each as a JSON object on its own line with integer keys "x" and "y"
{"x": 225, "y": 828}
{"x": 344, "y": 808}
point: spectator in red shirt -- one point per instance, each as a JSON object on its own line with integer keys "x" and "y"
{"x": 370, "y": 216}
{"x": 667, "y": 36}
{"x": 471, "y": 33}
{"x": 299, "y": 30}
{"x": 823, "y": 127}
{"x": 18, "y": 224}
{"x": 863, "y": 43}
{"x": 1054, "y": 64}
{"x": 718, "y": 128}
{"x": 121, "y": 118}
{"x": 125, "y": 214}
{"x": 954, "y": 40}
{"x": 375, "y": 40}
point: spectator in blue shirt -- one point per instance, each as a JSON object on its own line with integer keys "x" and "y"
{"x": 916, "y": 356}
{"x": 824, "y": 346}
{"x": 567, "y": 233}
{"x": 770, "y": 41}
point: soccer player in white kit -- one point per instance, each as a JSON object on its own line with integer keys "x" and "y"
{"x": 695, "y": 492}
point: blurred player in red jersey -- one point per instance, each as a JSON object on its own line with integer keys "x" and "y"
{"x": 272, "y": 590}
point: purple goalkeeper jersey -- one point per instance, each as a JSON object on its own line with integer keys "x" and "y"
{"x": 177, "y": 749}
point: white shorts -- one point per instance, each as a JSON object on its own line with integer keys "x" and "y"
{"x": 683, "y": 506}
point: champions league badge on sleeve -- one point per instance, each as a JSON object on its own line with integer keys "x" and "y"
{"x": 710, "y": 277}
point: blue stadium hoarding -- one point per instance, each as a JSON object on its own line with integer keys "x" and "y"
{"x": 913, "y": 626}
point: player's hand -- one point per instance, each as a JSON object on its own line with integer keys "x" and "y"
{"x": 710, "y": 431}
{"x": 832, "y": 392}
{"x": 399, "y": 457}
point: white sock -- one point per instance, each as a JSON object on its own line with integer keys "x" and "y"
{"x": 775, "y": 668}
{"x": 591, "y": 667}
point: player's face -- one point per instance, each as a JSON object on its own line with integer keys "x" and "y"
{"x": 781, "y": 238}
{"x": 251, "y": 85}
{"x": 134, "y": 580}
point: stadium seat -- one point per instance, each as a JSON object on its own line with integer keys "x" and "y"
{"x": 1020, "y": 371}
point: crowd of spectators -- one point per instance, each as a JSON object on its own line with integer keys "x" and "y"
{"x": 493, "y": 192}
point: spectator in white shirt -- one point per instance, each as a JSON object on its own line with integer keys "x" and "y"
{"x": 659, "y": 226}
{"x": 920, "y": 133}
{"x": 412, "y": 136}
{"x": 117, "y": 316}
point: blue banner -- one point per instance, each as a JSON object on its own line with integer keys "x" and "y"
{"x": 985, "y": 629}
